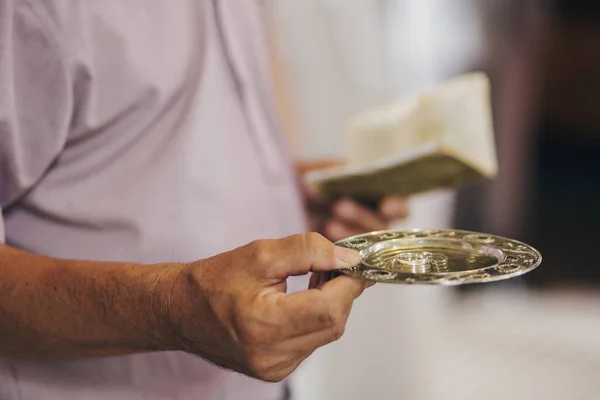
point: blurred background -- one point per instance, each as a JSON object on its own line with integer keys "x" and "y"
{"x": 532, "y": 338}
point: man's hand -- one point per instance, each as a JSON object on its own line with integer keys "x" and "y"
{"x": 344, "y": 218}
{"x": 349, "y": 218}
{"x": 233, "y": 309}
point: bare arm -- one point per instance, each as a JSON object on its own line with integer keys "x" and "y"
{"x": 55, "y": 309}
{"x": 231, "y": 309}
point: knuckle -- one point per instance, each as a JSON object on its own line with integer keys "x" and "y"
{"x": 335, "y": 321}
{"x": 313, "y": 240}
{"x": 329, "y": 317}
{"x": 262, "y": 252}
{"x": 315, "y": 243}
{"x": 338, "y": 331}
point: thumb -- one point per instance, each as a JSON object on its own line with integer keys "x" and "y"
{"x": 300, "y": 254}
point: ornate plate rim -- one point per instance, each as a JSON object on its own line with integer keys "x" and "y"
{"x": 492, "y": 273}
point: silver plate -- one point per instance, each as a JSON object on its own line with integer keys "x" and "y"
{"x": 441, "y": 257}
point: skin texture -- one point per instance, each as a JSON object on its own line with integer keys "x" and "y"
{"x": 249, "y": 323}
{"x": 61, "y": 309}
{"x": 232, "y": 309}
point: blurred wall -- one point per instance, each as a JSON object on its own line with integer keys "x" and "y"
{"x": 334, "y": 58}
{"x": 331, "y": 56}
{"x": 496, "y": 342}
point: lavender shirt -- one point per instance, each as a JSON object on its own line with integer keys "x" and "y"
{"x": 137, "y": 130}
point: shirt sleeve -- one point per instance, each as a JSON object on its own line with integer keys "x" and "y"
{"x": 35, "y": 100}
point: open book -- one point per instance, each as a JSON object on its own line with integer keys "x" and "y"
{"x": 442, "y": 137}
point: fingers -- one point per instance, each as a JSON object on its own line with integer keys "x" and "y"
{"x": 393, "y": 208}
{"x": 336, "y": 230}
{"x": 350, "y": 219}
{"x": 299, "y": 255}
{"x": 314, "y": 310}
{"x": 278, "y": 330}
{"x": 343, "y": 290}
{"x": 357, "y": 216}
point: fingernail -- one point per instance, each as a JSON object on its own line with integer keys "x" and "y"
{"x": 346, "y": 258}
{"x": 370, "y": 284}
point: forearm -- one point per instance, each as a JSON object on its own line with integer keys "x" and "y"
{"x": 56, "y": 309}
